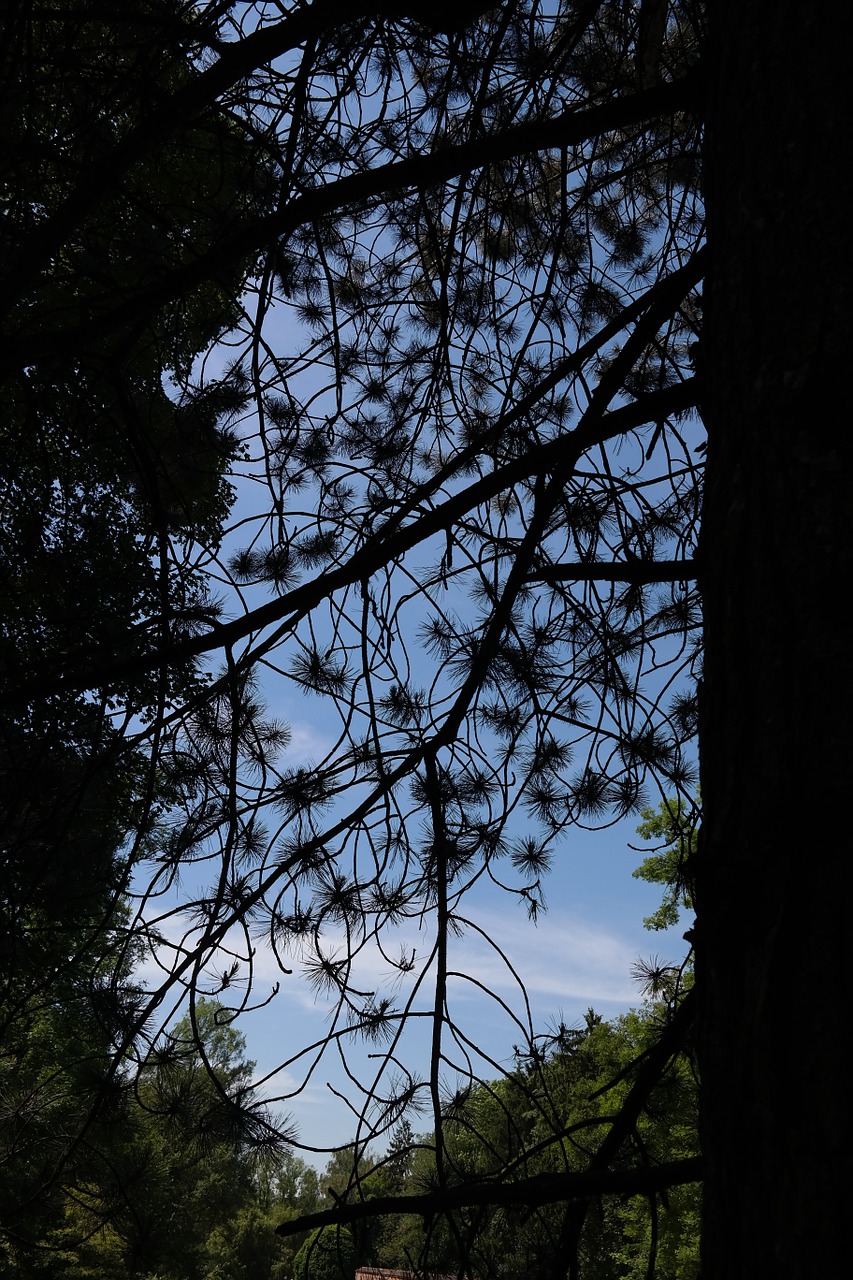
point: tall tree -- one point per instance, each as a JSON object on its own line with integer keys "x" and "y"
{"x": 113, "y": 469}
{"x": 777, "y": 693}
{"x": 168, "y": 1185}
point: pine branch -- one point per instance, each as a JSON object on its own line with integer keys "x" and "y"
{"x": 102, "y": 178}
{"x": 102, "y": 668}
{"x": 636, "y": 572}
{"x": 542, "y": 1189}
{"x": 569, "y": 129}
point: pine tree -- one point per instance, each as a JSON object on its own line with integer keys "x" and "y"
{"x": 777, "y": 695}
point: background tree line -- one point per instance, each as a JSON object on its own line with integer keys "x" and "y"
{"x": 171, "y": 1189}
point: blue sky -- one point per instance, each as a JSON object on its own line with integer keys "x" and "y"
{"x": 578, "y": 954}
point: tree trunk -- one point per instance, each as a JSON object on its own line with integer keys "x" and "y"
{"x": 776, "y": 708}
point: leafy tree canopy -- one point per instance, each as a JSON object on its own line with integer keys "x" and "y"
{"x": 674, "y": 826}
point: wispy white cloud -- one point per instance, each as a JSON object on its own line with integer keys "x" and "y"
{"x": 561, "y": 965}
{"x": 563, "y": 957}
{"x": 566, "y": 962}
{"x": 307, "y": 745}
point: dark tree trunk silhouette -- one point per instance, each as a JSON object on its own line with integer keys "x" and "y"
{"x": 776, "y": 702}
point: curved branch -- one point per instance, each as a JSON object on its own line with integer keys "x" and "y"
{"x": 102, "y": 668}
{"x": 237, "y": 60}
{"x": 569, "y": 129}
{"x": 654, "y": 1064}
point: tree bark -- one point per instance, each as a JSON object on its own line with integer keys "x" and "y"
{"x": 776, "y": 706}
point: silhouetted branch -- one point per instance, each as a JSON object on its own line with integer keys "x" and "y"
{"x": 636, "y": 572}
{"x": 102, "y": 316}
{"x": 381, "y": 548}
{"x": 545, "y": 1188}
